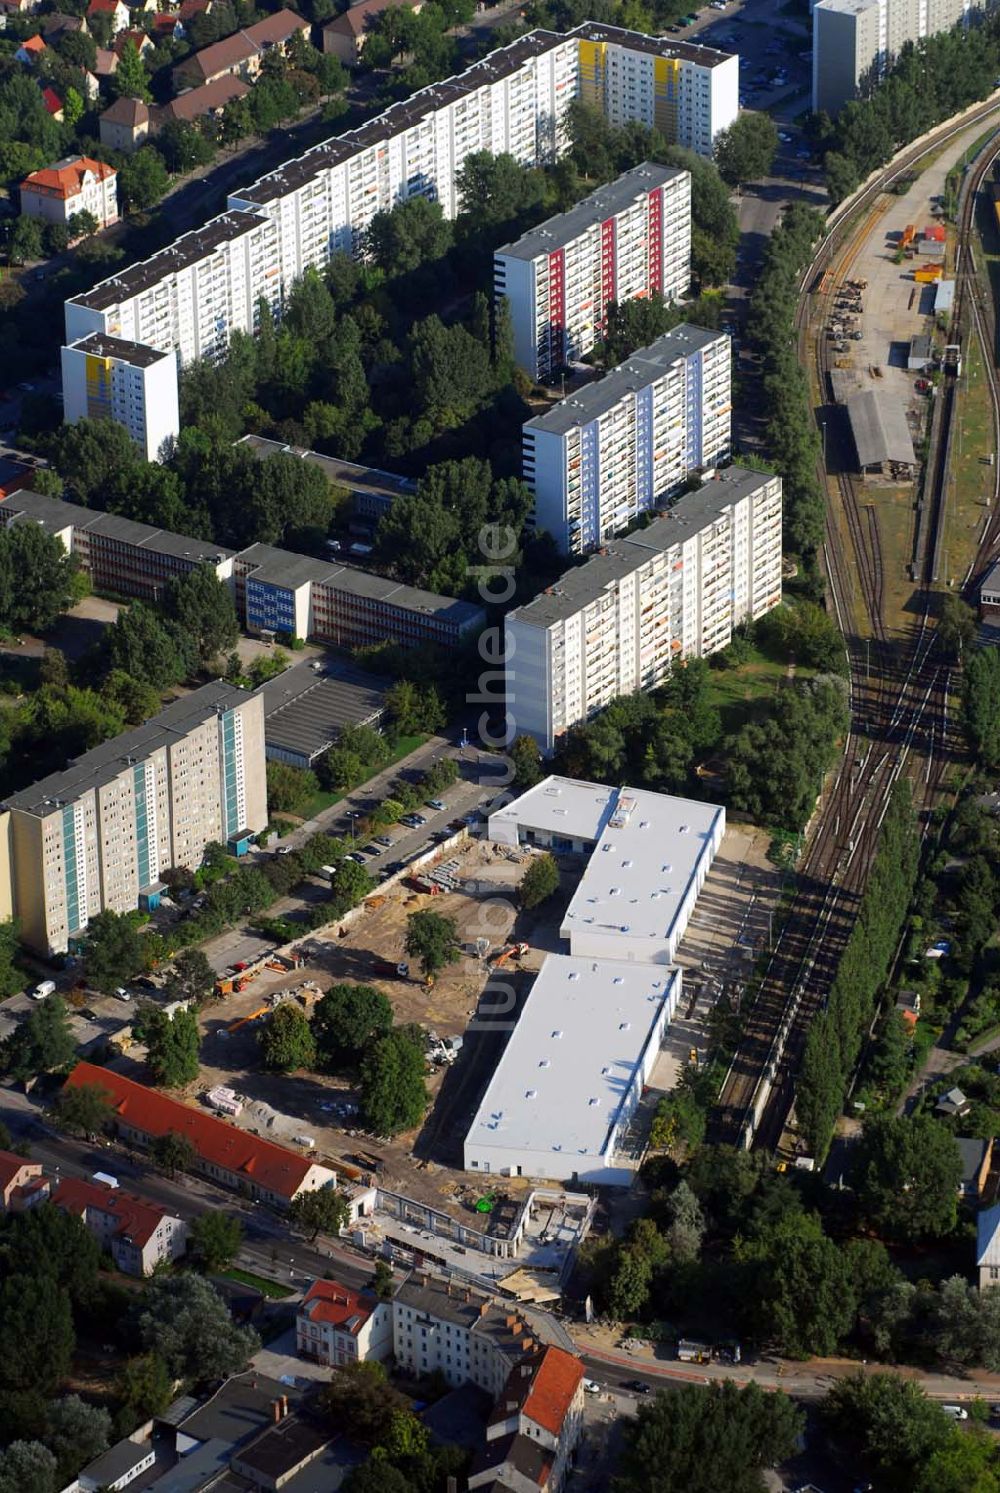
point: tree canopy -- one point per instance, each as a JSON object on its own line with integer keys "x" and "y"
{"x": 393, "y": 1091}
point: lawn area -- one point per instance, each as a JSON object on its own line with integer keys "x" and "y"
{"x": 970, "y": 481}
{"x": 321, "y": 800}
{"x": 736, "y": 693}
{"x": 261, "y": 1283}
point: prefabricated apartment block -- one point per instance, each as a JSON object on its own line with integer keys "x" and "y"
{"x": 622, "y": 445}
{"x": 630, "y": 238}
{"x": 674, "y": 590}
{"x": 192, "y": 295}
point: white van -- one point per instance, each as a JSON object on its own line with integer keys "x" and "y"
{"x": 957, "y": 1412}
{"x": 47, "y": 987}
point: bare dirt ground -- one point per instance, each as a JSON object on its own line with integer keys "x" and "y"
{"x": 299, "y": 1104}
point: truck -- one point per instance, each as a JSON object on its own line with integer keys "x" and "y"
{"x": 689, "y": 1350}
{"x": 105, "y": 1179}
{"x": 46, "y": 987}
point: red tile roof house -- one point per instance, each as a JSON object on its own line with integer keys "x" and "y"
{"x": 21, "y": 1182}
{"x": 30, "y": 50}
{"x": 53, "y": 104}
{"x": 336, "y": 1325}
{"x": 543, "y": 1402}
{"x": 74, "y": 185}
{"x": 224, "y": 1153}
{"x": 119, "y": 13}
{"x": 138, "y": 1234}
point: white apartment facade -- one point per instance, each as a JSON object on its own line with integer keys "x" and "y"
{"x": 98, "y": 835}
{"x": 674, "y": 590}
{"x": 630, "y": 238}
{"x": 856, "y": 41}
{"x": 621, "y": 446}
{"x": 684, "y": 91}
{"x": 457, "y": 1332}
{"x": 336, "y": 1324}
{"x": 192, "y": 295}
{"x": 128, "y": 382}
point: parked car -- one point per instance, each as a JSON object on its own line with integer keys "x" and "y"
{"x": 121, "y": 994}
{"x": 638, "y": 1386}
{"x": 385, "y": 840}
{"x": 371, "y": 849}
{"x": 436, "y": 803}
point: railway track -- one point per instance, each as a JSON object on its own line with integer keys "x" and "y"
{"x": 899, "y": 724}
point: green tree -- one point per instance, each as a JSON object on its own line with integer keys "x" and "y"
{"x": 36, "y": 1333}
{"x": 41, "y": 1043}
{"x": 289, "y": 788}
{"x": 286, "y": 1041}
{"x": 351, "y": 885}
{"x": 415, "y": 232}
{"x": 891, "y": 1423}
{"x": 325, "y": 1211}
{"x": 11, "y": 976}
{"x": 216, "y": 1238}
{"x": 981, "y": 705}
{"x": 804, "y": 1300}
{"x": 203, "y": 608}
{"x": 76, "y": 1433}
{"x": 141, "y": 646}
{"x": 347, "y": 1021}
{"x": 393, "y": 1092}
{"x": 707, "y": 1439}
{"x": 172, "y": 1153}
{"x": 908, "y": 1176}
{"x": 360, "y": 1396}
{"x": 36, "y": 578}
{"x": 28, "y": 1467}
{"x": 25, "y": 242}
{"x": 190, "y": 977}
{"x": 383, "y": 1284}
{"x": 143, "y": 179}
{"x": 130, "y": 78}
{"x": 184, "y": 1321}
{"x": 84, "y": 1109}
{"x": 634, "y": 324}
{"x": 113, "y": 952}
{"x": 143, "y": 1388}
{"x": 432, "y": 939}
{"x": 527, "y": 761}
{"x": 956, "y": 628}
{"x": 136, "y": 699}
{"x": 539, "y": 882}
{"x": 746, "y": 150}
{"x": 183, "y": 146}
{"x": 172, "y": 1044}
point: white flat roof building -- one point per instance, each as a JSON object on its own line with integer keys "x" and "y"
{"x": 573, "y": 1071}
{"x": 651, "y": 854}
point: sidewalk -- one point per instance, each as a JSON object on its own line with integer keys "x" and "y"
{"x": 810, "y": 1379}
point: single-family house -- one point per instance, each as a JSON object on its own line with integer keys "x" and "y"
{"x": 242, "y": 54}
{"x": 138, "y": 1234}
{"x": 139, "y": 39}
{"x": 106, "y": 64}
{"x": 345, "y": 36}
{"x": 977, "y": 1157}
{"x": 58, "y": 24}
{"x": 125, "y": 125}
{"x": 21, "y": 1182}
{"x": 30, "y": 50}
{"x": 119, "y": 14}
{"x": 91, "y": 87}
{"x": 336, "y": 1325}
{"x": 988, "y": 1246}
{"x": 53, "y": 104}
{"x": 953, "y": 1102}
{"x": 76, "y": 184}
{"x": 166, "y": 27}
{"x": 188, "y": 9}
{"x": 908, "y": 1006}
{"x": 200, "y": 103}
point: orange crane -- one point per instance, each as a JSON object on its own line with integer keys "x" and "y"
{"x": 512, "y": 951}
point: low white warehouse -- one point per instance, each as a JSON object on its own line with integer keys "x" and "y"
{"x": 651, "y": 854}
{"x": 573, "y": 1071}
